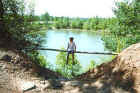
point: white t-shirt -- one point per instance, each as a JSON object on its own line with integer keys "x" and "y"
{"x": 71, "y": 46}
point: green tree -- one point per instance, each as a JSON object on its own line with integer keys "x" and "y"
{"x": 16, "y": 26}
{"x": 86, "y": 25}
{"x": 45, "y": 17}
{"x": 73, "y": 24}
{"x": 126, "y": 13}
{"x": 125, "y": 27}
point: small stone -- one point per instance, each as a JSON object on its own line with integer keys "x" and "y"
{"x": 76, "y": 90}
{"x": 75, "y": 83}
{"x": 48, "y": 85}
{"x": 37, "y": 90}
{"x": 1, "y": 65}
{"x": 85, "y": 85}
{"x": 63, "y": 82}
{"x": 42, "y": 82}
{"x": 12, "y": 71}
{"x": 7, "y": 58}
{"x": 4, "y": 67}
{"x": 68, "y": 83}
{"x": 27, "y": 86}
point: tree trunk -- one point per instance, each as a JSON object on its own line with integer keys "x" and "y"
{"x": 1, "y": 16}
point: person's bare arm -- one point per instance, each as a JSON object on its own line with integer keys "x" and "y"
{"x": 68, "y": 47}
{"x": 75, "y": 47}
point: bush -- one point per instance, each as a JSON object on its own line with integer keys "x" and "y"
{"x": 92, "y": 65}
{"x": 67, "y": 70}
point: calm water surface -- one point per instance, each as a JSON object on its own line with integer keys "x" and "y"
{"x": 85, "y": 41}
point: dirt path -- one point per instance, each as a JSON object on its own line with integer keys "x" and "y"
{"x": 5, "y": 79}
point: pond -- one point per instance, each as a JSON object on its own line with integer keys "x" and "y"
{"x": 85, "y": 41}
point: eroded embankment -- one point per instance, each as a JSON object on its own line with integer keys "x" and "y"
{"x": 119, "y": 76}
{"x": 16, "y": 71}
{"x": 123, "y": 72}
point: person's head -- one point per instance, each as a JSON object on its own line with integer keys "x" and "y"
{"x": 71, "y": 39}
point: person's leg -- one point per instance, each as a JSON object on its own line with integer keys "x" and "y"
{"x": 73, "y": 58}
{"x": 67, "y": 57}
{"x": 73, "y": 63}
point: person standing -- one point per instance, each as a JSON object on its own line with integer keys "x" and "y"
{"x": 71, "y": 49}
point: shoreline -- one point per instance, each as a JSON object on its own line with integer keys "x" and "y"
{"x": 83, "y": 30}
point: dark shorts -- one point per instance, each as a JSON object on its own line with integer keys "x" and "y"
{"x": 71, "y": 52}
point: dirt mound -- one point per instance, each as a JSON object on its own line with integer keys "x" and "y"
{"x": 123, "y": 71}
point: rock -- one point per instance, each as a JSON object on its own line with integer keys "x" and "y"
{"x": 55, "y": 83}
{"x": 86, "y": 85}
{"x": 27, "y": 86}
{"x": 68, "y": 83}
{"x": 1, "y": 64}
{"x": 7, "y": 58}
{"x": 42, "y": 82}
{"x": 47, "y": 86}
{"x": 98, "y": 84}
{"x": 37, "y": 90}
{"x": 4, "y": 67}
{"x": 12, "y": 71}
{"x": 63, "y": 82}
{"x": 75, "y": 83}
{"x": 75, "y": 90}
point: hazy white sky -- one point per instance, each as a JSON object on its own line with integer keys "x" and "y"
{"x": 75, "y": 8}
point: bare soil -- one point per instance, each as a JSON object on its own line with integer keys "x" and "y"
{"x": 118, "y": 76}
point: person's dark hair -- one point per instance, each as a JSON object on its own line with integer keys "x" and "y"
{"x": 71, "y": 38}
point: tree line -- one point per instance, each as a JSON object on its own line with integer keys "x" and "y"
{"x": 95, "y": 23}
{"x": 126, "y": 20}
{"x": 124, "y": 27}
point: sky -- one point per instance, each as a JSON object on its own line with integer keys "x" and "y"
{"x": 75, "y": 8}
